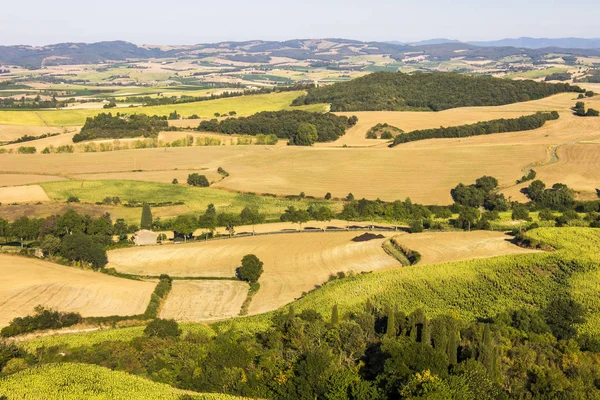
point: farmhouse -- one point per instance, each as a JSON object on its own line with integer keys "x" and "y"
{"x": 144, "y": 237}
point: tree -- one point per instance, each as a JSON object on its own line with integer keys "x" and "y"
{"x": 535, "y": 190}
{"x": 70, "y": 222}
{"x": 251, "y": 216}
{"x": 102, "y": 226}
{"x": 350, "y": 197}
{"x": 416, "y": 226}
{"x": 251, "y": 269}
{"x": 520, "y": 213}
{"x": 196, "y": 179}
{"x": 391, "y": 323}
{"x": 335, "y": 318}
{"x": 4, "y": 228}
{"x": 162, "y": 328}
{"x": 184, "y": 225}
{"x": 208, "y": 220}
{"x": 562, "y": 316}
{"x": 120, "y": 229}
{"x": 322, "y": 213}
{"x": 328, "y": 196}
{"x": 305, "y": 136}
{"x": 467, "y": 218}
{"x": 291, "y": 214}
{"x": 50, "y": 245}
{"x": 229, "y": 222}
{"x": 174, "y": 181}
{"x": 349, "y": 213}
{"x": 146, "y": 222}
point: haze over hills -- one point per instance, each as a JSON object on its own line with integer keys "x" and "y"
{"x": 259, "y": 51}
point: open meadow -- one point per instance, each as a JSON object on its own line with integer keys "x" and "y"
{"x": 27, "y": 282}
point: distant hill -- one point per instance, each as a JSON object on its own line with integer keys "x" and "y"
{"x": 540, "y": 43}
{"x": 327, "y": 51}
{"x": 435, "y": 91}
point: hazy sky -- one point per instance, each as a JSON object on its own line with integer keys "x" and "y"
{"x": 196, "y": 21}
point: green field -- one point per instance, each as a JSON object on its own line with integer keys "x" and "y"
{"x": 243, "y": 105}
{"x": 196, "y": 199}
{"x": 69, "y": 381}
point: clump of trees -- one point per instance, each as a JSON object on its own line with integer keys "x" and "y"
{"x": 559, "y": 76}
{"x": 196, "y": 179}
{"x": 524, "y": 123}
{"x": 107, "y": 126}
{"x": 579, "y": 110}
{"x": 558, "y": 197}
{"x": 431, "y": 91}
{"x": 283, "y": 124}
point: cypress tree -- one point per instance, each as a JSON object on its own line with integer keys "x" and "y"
{"x": 452, "y": 351}
{"x": 335, "y": 319}
{"x": 146, "y": 222}
{"x": 391, "y": 323}
{"x": 486, "y": 352}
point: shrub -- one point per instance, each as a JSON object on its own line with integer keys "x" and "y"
{"x": 73, "y": 199}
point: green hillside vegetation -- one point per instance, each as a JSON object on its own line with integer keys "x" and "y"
{"x": 432, "y": 91}
{"x": 69, "y": 381}
{"x": 107, "y": 126}
{"x": 524, "y": 123}
{"x": 283, "y": 124}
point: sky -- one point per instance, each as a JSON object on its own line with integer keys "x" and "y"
{"x": 39, "y": 22}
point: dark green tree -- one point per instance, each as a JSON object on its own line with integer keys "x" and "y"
{"x": 251, "y": 269}
{"x": 146, "y": 222}
{"x": 162, "y": 328}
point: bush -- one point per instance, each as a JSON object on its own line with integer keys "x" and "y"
{"x": 196, "y": 179}
{"x": 416, "y": 226}
{"x": 73, "y": 199}
{"x": 162, "y": 328}
{"x": 251, "y": 269}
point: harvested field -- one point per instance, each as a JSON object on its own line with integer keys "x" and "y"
{"x": 438, "y": 247}
{"x": 26, "y": 179}
{"x": 166, "y": 176}
{"x": 22, "y": 194}
{"x": 204, "y": 300}
{"x": 12, "y": 132}
{"x": 293, "y": 263}
{"x": 28, "y": 282}
{"x": 578, "y": 167}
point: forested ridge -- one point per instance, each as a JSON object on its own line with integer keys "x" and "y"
{"x": 284, "y": 124}
{"x": 107, "y": 126}
{"x": 525, "y": 123}
{"x": 430, "y": 91}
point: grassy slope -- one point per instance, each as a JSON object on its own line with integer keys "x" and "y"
{"x": 196, "y": 199}
{"x": 76, "y": 381}
{"x": 245, "y": 105}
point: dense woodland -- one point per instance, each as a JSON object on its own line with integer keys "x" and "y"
{"x": 107, "y": 126}
{"x": 283, "y": 124}
{"x": 524, "y": 123}
{"x": 377, "y": 353}
{"x": 432, "y": 91}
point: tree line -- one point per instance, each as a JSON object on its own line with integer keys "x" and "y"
{"x": 71, "y": 236}
{"x": 431, "y": 91}
{"x": 284, "y": 124}
{"x": 502, "y": 125}
{"x": 107, "y": 126}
